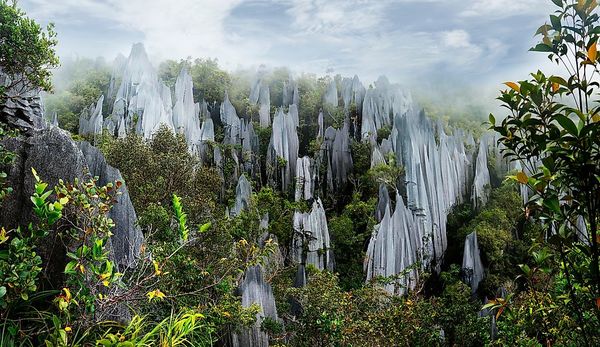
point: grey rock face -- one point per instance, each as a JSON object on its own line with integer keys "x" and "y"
{"x": 243, "y": 191}
{"x": 437, "y": 175}
{"x": 283, "y": 146}
{"x": 91, "y": 119}
{"x": 353, "y": 91}
{"x": 383, "y": 203}
{"x": 264, "y": 111}
{"x": 394, "y": 247}
{"x": 255, "y": 290}
{"x": 128, "y": 238}
{"x": 304, "y": 179}
{"x": 186, "y": 118}
{"x": 472, "y": 266}
{"x": 481, "y": 183}
{"x": 55, "y": 156}
{"x": 142, "y": 102}
{"x": 381, "y": 104}
{"x": 336, "y": 151}
{"x": 310, "y": 230}
{"x": 231, "y": 122}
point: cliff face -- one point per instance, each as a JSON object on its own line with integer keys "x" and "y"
{"x": 54, "y": 155}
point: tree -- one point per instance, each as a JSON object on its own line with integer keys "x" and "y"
{"x": 553, "y": 131}
{"x": 27, "y": 52}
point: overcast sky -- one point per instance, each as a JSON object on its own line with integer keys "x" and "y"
{"x": 463, "y": 42}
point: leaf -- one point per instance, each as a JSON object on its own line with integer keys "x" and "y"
{"x": 596, "y": 117}
{"x": 558, "y": 3}
{"x": 556, "y": 24}
{"x": 567, "y": 124}
{"x": 559, "y": 80}
{"x": 541, "y": 48}
{"x": 552, "y": 204}
{"x": 35, "y": 174}
{"x": 205, "y": 227}
{"x": 593, "y": 52}
{"x": 522, "y": 177}
{"x": 500, "y": 310}
{"x": 513, "y": 86}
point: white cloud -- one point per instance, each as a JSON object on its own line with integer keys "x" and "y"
{"x": 405, "y": 39}
{"x": 337, "y": 17}
{"x": 497, "y": 9}
{"x": 171, "y": 29}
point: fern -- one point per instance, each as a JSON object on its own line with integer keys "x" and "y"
{"x": 181, "y": 217}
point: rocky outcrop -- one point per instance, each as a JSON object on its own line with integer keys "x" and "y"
{"x": 55, "y": 156}
{"x": 472, "y": 267}
{"x": 127, "y": 236}
{"x": 311, "y": 244}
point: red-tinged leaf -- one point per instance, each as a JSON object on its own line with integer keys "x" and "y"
{"x": 513, "y": 86}
{"x": 593, "y": 52}
{"x": 500, "y": 310}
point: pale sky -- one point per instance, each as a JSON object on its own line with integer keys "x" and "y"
{"x": 457, "y": 42}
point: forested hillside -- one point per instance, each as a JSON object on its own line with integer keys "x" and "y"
{"x": 181, "y": 204}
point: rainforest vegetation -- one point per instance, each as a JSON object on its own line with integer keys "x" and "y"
{"x": 201, "y": 239}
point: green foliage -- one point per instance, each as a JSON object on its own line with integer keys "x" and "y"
{"x": 20, "y": 265}
{"x": 6, "y": 158}
{"x": 553, "y": 129}
{"x": 182, "y": 329}
{"x": 388, "y": 173}
{"x": 90, "y": 271}
{"x": 349, "y": 232}
{"x": 210, "y": 82}
{"x": 79, "y": 84}
{"x": 27, "y": 52}
{"x": 368, "y": 316}
{"x": 181, "y": 217}
{"x": 157, "y": 168}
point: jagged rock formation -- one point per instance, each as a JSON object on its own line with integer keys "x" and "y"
{"x": 335, "y": 150}
{"x": 231, "y": 122}
{"x": 127, "y": 236}
{"x": 260, "y": 93}
{"x": 186, "y": 118}
{"x": 91, "y": 120}
{"x": 304, "y": 179}
{"x": 472, "y": 266}
{"x": 436, "y": 169}
{"x": 255, "y": 290}
{"x": 353, "y": 91}
{"x": 55, "y": 156}
{"x": 291, "y": 96}
{"x": 243, "y": 191}
{"x": 54, "y": 120}
{"x": 395, "y": 246}
{"x": 311, "y": 244}
{"x": 142, "y": 102}
{"x": 383, "y": 203}
{"x": 481, "y": 183}
{"x": 381, "y": 104}
{"x": 377, "y": 157}
{"x": 282, "y": 154}
{"x": 264, "y": 101}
